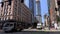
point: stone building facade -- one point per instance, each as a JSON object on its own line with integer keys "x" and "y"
{"x": 15, "y": 10}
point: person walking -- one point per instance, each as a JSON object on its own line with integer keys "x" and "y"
{"x": 55, "y": 26}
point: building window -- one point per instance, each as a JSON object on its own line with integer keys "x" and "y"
{"x": 7, "y": 18}
{"x": 1, "y": 19}
{"x": 10, "y": 17}
{"x": 22, "y": 1}
{"x": 56, "y": 9}
{"x": 2, "y": 4}
{"x": 9, "y": 13}
{"x": 59, "y": 9}
{"x": 4, "y": 18}
{"x": 9, "y": 2}
{"x": 58, "y": 2}
{"x": 1, "y": 14}
{"x": 9, "y": 8}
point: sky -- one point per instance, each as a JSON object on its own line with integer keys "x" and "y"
{"x": 0, "y": 0}
{"x": 44, "y": 7}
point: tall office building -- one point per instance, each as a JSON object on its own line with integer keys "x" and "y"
{"x": 31, "y": 7}
{"x": 38, "y": 13}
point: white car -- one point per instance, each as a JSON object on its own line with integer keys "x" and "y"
{"x": 39, "y": 26}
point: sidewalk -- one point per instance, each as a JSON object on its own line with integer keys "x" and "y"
{"x": 51, "y": 30}
{"x": 45, "y": 30}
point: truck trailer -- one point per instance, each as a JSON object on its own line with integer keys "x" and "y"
{"x": 15, "y": 15}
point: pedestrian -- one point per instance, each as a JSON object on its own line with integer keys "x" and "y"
{"x": 55, "y": 26}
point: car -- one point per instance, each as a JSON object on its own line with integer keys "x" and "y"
{"x": 7, "y": 27}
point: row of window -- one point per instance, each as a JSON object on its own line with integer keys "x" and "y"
{"x": 24, "y": 17}
{"x": 6, "y": 1}
{"x": 22, "y": 1}
{"x": 6, "y": 18}
{"x": 25, "y": 14}
{"x": 6, "y": 9}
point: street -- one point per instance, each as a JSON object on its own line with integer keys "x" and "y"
{"x": 27, "y": 32}
{"x": 32, "y": 31}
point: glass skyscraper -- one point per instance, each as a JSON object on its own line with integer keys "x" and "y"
{"x": 32, "y": 8}
{"x": 38, "y": 11}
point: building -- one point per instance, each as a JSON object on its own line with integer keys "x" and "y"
{"x": 32, "y": 7}
{"x": 52, "y": 11}
{"x": 57, "y": 2}
{"x": 46, "y": 20}
{"x": 0, "y": 14}
{"x": 38, "y": 13}
{"x": 57, "y": 7}
{"x": 11, "y": 9}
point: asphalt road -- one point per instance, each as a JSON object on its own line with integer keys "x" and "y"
{"x": 41, "y": 32}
